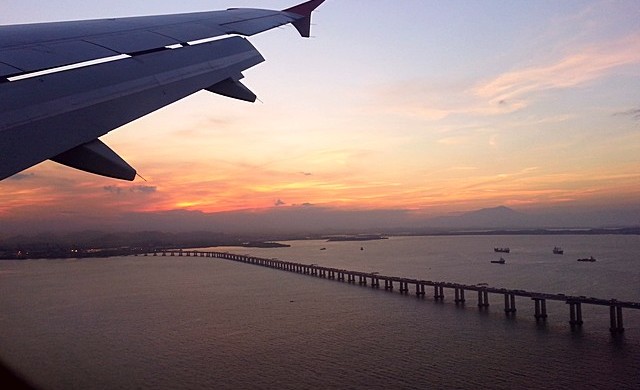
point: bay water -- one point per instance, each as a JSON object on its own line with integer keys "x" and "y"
{"x": 193, "y": 322}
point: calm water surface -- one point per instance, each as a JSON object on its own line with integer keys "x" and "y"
{"x": 184, "y": 322}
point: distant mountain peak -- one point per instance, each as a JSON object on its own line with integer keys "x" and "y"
{"x": 494, "y": 211}
{"x": 490, "y": 217}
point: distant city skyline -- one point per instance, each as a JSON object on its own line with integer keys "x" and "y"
{"x": 414, "y": 110}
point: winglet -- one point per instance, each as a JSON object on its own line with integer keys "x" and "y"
{"x": 304, "y": 10}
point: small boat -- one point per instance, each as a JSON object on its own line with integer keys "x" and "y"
{"x": 557, "y": 250}
{"x": 590, "y": 259}
{"x": 323, "y": 249}
{"x": 502, "y": 250}
{"x": 501, "y": 261}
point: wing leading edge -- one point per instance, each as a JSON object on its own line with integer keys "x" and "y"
{"x": 55, "y": 113}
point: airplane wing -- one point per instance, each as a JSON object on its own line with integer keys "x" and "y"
{"x": 65, "y": 84}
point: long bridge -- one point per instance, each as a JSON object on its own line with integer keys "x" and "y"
{"x": 420, "y": 286}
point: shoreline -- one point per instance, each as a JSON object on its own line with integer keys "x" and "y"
{"x": 25, "y": 250}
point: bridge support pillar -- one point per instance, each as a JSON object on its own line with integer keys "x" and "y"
{"x": 438, "y": 292}
{"x": 351, "y": 278}
{"x": 404, "y": 287}
{"x": 459, "y": 295}
{"x": 375, "y": 282}
{"x": 616, "y": 319}
{"x": 540, "y": 308}
{"x": 419, "y": 289}
{"x": 388, "y": 284}
{"x": 483, "y": 298}
{"x": 575, "y": 313}
{"x": 509, "y": 303}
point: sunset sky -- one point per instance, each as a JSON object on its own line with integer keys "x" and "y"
{"x": 430, "y": 107}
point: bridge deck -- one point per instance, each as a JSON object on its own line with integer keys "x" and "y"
{"x": 540, "y": 298}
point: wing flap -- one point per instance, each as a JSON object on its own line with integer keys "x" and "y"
{"x": 6, "y": 69}
{"x": 256, "y": 22}
{"x": 132, "y": 42}
{"x": 191, "y": 32}
{"x": 44, "y": 56}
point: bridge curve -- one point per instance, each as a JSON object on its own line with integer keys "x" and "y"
{"x": 373, "y": 278}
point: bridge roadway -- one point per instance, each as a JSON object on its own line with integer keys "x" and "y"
{"x": 368, "y": 278}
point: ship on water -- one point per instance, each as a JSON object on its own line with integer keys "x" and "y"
{"x": 502, "y": 250}
{"x": 557, "y": 250}
{"x": 590, "y": 259}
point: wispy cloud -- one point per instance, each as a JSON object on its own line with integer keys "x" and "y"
{"x": 22, "y": 176}
{"x": 574, "y": 69}
{"x": 115, "y": 189}
{"x": 513, "y": 90}
{"x": 634, "y": 113}
{"x": 143, "y": 189}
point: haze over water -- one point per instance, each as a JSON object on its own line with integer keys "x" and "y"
{"x": 185, "y": 322}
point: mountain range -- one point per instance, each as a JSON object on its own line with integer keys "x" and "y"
{"x": 302, "y": 221}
